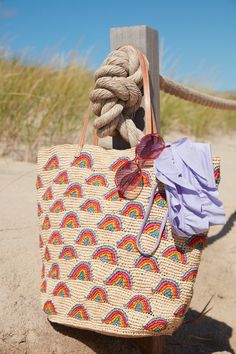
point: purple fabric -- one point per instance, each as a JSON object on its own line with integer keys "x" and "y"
{"x": 186, "y": 169}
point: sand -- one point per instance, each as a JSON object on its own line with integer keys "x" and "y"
{"x": 23, "y": 325}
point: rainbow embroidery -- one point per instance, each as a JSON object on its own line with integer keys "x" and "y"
{"x": 86, "y": 237}
{"x": 139, "y": 303}
{"x": 39, "y": 183}
{"x": 54, "y": 272}
{"x": 48, "y": 195}
{"x": 84, "y": 160}
{"x": 61, "y": 178}
{"x": 46, "y": 223}
{"x": 168, "y": 288}
{"x": 128, "y": 243}
{"x": 68, "y": 252}
{"x": 118, "y": 163}
{"x": 156, "y": 325}
{"x": 97, "y": 180}
{"x": 198, "y": 242}
{"x": 81, "y": 271}
{"x": 98, "y": 294}
{"x": 55, "y": 238}
{"x": 147, "y": 263}
{"x": 49, "y": 308}
{"x": 61, "y": 289}
{"x": 116, "y": 317}
{"x": 106, "y": 254}
{"x": 40, "y": 242}
{"x": 190, "y": 275}
{"x": 52, "y": 163}
{"x": 146, "y": 181}
{"x": 133, "y": 210}
{"x": 79, "y": 312}
{"x": 180, "y": 311}
{"x": 47, "y": 254}
{"x": 110, "y": 222}
{"x": 43, "y": 287}
{"x": 152, "y": 228}
{"x": 40, "y": 210}
{"x": 160, "y": 200}
{"x": 217, "y": 174}
{"x": 57, "y": 207}
{"x": 120, "y": 278}
{"x": 70, "y": 220}
{"x": 74, "y": 191}
{"x": 92, "y": 206}
{"x": 175, "y": 255}
{"x": 43, "y": 271}
{"x": 113, "y": 195}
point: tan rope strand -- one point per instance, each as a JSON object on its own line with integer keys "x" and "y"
{"x": 189, "y": 94}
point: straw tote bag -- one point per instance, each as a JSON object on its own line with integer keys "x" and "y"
{"x": 93, "y": 276}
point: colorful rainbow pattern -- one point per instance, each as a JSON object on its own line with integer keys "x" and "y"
{"x": 98, "y": 294}
{"x": 92, "y": 206}
{"x": 175, "y": 255}
{"x": 106, "y": 254}
{"x": 180, "y": 311}
{"x": 116, "y": 317}
{"x": 70, "y": 220}
{"x": 147, "y": 263}
{"x": 152, "y": 228}
{"x": 54, "y": 272}
{"x": 84, "y": 160}
{"x": 168, "y": 288}
{"x": 43, "y": 287}
{"x": 113, "y": 195}
{"x": 110, "y": 222}
{"x": 156, "y": 325}
{"x": 190, "y": 275}
{"x": 139, "y": 303}
{"x": 55, "y": 238}
{"x": 128, "y": 243}
{"x": 43, "y": 271}
{"x": 118, "y": 163}
{"x": 62, "y": 178}
{"x": 217, "y": 174}
{"x": 120, "y": 277}
{"x": 81, "y": 271}
{"x": 198, "y": 242}
{"x": 146, "y": 180}
{"x": 160, "y": 200}
{"x": 57, "y": 207}
{"x": 41, "y": 244}
{"x": 97, "y": 180}
{"x": 79, "y": 312}
{"x": 46, "y": 223}
{"x": 48, "y": 194}
{"x": 52, "y": 164}
{"x": 49, "y": 308}
{"x": 61, "y": 289}
{"x": 68, "y": 252}
{"x": 74, "y": 191}
{"x": 47, "y": 254}
{"x": 40, "y": 210}
{"x": 133, "y": 210}
{"x": 39, "y": 182}
{"x": 86, "y": 237}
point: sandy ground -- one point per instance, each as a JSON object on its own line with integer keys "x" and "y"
{"x": 23, "y": 325}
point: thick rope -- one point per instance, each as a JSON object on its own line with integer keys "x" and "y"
{"x": 117, "y": 95}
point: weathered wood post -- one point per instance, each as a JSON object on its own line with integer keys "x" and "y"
{"x": 145, "y": 39}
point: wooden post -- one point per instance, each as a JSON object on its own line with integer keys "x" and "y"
{"x": 145, "y": 39}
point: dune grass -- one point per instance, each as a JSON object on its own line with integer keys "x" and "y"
{"x": 44, "y": 105}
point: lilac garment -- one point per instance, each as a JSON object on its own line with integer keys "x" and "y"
{"x": 186, "y": 170}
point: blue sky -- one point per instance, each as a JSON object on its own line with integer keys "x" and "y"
{"x": 199, "y": 37}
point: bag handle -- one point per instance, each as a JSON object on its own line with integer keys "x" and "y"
{"x": 150, "y": 121}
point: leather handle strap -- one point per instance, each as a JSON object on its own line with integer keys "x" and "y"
{"x": 150, "y": 121}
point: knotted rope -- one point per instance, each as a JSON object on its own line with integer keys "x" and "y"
{"x": 117, "y": 95}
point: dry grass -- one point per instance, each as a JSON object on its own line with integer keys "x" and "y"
{"x": 45, "y": 104}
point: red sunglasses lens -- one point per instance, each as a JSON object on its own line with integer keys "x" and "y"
{"x": 150, "y": 146}
{"x": 128, "y": 180}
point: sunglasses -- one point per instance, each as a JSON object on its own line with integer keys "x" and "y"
{"x": 129, "y": 177}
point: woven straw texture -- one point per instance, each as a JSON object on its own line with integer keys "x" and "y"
{"x": 93, "y": 276}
